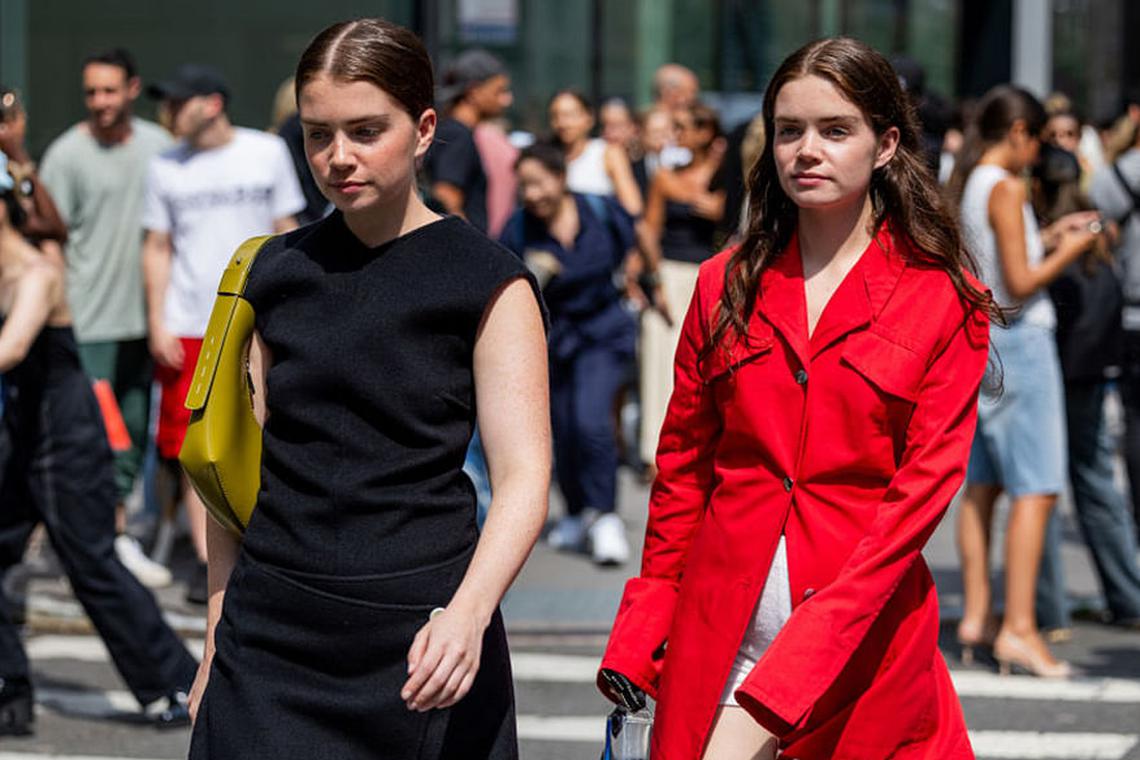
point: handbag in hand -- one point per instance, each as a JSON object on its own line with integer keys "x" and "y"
{"x": 221, "y": 453}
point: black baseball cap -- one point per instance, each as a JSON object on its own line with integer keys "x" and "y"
{"x": 190, "y": 79}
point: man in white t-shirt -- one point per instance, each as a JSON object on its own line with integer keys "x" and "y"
{"x": 220, "y": 186}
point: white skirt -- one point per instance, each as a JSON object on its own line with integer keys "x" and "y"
{"x": 772, "y": 611}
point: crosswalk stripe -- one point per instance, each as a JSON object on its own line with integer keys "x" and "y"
{"x": 530, "y": 666}
{"x": 1003, "y": 745}
{"x": 1030, "y": 745}
{"x": 560, "y": 668}
{"x": 1022, "y": 745}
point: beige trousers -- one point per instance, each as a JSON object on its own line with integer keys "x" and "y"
{"x": 658, "y": 345}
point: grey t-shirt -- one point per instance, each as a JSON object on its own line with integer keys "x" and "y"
{"x": 99, "y": 191}
{"x": 1112, "y": 200}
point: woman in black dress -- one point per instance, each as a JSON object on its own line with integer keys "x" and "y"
{"x": 360, "y": 615}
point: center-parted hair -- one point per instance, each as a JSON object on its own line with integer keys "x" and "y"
{"x": 372, "y": 50}
{"x": 902, "y": 191}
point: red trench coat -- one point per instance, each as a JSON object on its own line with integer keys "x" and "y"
{"x": 852, "y": 444}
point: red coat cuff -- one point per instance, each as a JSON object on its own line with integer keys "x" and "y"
{"x": 640, "y": 629}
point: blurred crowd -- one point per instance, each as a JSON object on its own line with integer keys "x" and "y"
{"x": 613, "y": 209}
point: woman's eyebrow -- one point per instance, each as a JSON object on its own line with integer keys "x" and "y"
{"x": 380, "y": 118}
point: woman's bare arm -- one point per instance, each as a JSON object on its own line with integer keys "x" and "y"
{"x": 222, "y": 547}
{"x": 1006, "y": 217}
{"x": 625, "y": 184}
{"x": 512, "y": 396}
{"x": 37, "y": 292}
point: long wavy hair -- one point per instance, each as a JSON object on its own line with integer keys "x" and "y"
{"x": 902, "y": 191}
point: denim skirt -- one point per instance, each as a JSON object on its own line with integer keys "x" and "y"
{"x": 1020, "y": 443}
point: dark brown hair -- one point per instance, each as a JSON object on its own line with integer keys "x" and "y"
{"x": 903, "y": 190}
{"x": 372, "y": 50}
{"x": 993, "y": 118}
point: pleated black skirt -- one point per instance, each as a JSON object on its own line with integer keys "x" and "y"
{"x": 311, "y": 667}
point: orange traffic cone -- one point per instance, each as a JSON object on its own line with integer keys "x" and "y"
{"x": 117, "y": 434}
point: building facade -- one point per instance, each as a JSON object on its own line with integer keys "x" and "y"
{"x": 602, "y": 47}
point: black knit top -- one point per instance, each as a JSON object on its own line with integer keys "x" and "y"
{"x": 370, "y": 395}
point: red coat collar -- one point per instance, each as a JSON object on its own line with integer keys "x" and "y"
{"x": 856, "y": 303}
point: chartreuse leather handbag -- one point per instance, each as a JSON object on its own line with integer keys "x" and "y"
{"x": 222, "y": 450}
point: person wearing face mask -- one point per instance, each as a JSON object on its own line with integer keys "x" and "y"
{"x": 577, "y": 241}
{"x": 220, "y": 185}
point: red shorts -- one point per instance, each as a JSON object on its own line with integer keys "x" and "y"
{"x": 173, "y": 416}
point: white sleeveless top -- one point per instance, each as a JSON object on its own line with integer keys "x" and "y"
{"x": 979, "y": 238}
{"x": 587, "y": 172}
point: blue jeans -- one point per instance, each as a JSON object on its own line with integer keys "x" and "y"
{"x": 1102, "y": 513}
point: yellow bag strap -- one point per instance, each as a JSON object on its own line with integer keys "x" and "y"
{"x": 231, "y": 287}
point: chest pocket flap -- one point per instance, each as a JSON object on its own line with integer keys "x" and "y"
{"x": 720, "y": 362}
{"x": 889, "y": 366}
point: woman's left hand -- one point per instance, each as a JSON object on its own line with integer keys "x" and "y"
{"x": 443, "y": 660}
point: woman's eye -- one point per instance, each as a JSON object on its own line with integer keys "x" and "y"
{"x": 367, "y": 133}
{"x": 788, "y": 131}
{"x": 315, "y": 135}
{"x": 836, "y": 132}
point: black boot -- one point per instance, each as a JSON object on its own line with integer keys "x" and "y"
{"x": 17, "y": 708}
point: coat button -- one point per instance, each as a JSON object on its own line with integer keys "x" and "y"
{"x": 801, "y": 377}
{"x": 808, "y": 593}
{"x": 788, "y": 484}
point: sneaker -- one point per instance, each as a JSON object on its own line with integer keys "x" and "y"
{"x": 149, "y": 573}
{"x": 568, "y": 534}
{"x": 198, "y": 587}
{"x": 17, "y": 708}
{"x": 172, "y": 711}
{"x": 608, "y": 544}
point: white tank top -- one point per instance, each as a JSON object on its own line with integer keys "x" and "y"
{"x": 587, "y": 172}
{"x": 980, "y": 240}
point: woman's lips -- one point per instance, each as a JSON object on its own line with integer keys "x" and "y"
{"x": 348, "y": 188}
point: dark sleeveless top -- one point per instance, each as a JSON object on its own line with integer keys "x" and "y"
{"x": 370, "y": 395}
{"x": 686, "y": 237}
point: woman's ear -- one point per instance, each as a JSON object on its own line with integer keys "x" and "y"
{"x": 888, "y": 145}
{"x": 425, "y": 129}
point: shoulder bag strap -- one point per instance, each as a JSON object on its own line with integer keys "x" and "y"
{"x": 230, "y": 289}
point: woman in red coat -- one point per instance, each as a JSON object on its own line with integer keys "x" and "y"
{"x": 825, "y": 400}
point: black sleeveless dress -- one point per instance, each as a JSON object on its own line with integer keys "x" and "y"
{"x": 365, "y": 521}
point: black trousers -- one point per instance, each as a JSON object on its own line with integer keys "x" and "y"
{"x": 56, "y": 468}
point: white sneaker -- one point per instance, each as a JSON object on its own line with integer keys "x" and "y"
{"x": 149, "y": 573}
{"x": 608, "y": 544}
{"x": 568, "y": 534}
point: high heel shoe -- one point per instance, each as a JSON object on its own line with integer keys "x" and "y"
{"x": 1015, "y": 654}
{"x": 975, "y": 640}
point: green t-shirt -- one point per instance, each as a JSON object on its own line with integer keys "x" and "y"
{"x": 99, "y": 191}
